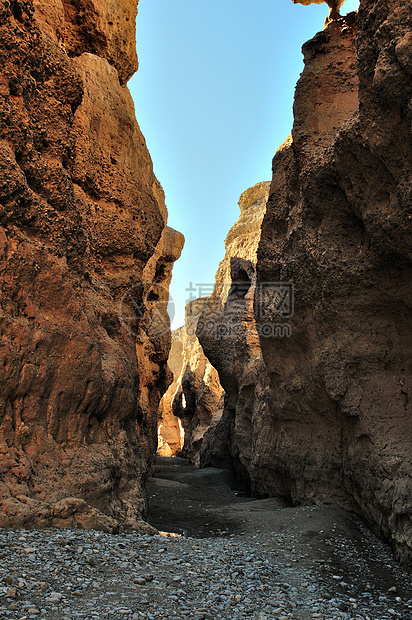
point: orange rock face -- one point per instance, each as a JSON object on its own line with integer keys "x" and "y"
{"x": 104, "y": 29}
{"x": 195, "y": 398}
{"x": 170, "y": 429}
{"x": 334, "y": 5}
{"x": 81, "y": 214}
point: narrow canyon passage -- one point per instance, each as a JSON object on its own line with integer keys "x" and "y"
{"x": 321, "y": 561}
{"x": 293, "y": 365}
{"x": 197, "y": 502}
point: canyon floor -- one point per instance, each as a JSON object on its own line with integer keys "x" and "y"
{"x": 236, "y": 559}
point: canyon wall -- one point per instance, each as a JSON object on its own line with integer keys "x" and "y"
{"x": 329, "y": 410}
{"x": 170, "y": 429}
{"x": 195, "y": 398}
{"x": 228, "y": 335}
{"x": 84, "y": 257}
{"x": 154, "y": 339}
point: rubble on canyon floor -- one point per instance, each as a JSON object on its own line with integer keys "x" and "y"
{"x": 276, "y": 563}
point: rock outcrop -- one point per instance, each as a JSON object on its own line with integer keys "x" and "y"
{"x": 194, "y": 400}
{"x": 329, "y": 411}
{"x": 334, "y": 5}
{"x": 81, "y": 214}
{"x": 228, "y": 335}
{"x": 153, "y": 342}
{"x": 170, "y": 430}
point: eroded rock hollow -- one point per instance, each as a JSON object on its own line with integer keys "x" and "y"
{"x": 85, "y": 264}
{"x": 194, "y": 401}
{"x": 323, "y": 414}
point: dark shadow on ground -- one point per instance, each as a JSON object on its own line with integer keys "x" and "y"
{"x": 192, "y": 501}
{"x": 203, "y": 504}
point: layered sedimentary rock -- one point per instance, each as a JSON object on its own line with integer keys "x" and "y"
{"x": 81, "y": 214}
{"x": 330, "y": 413}
{"x": 194, "y": 399}
{"x": 228, "y": 334}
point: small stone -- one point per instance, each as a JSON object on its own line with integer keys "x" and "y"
{"x": 10, "y": 580}
{"x": 139, "y": 581}
{"x": 12, "y": 592}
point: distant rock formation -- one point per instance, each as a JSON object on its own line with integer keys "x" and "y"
{"x": 82, "y": 234}
{"x": 228, "y": 335}
{"x": 195, "y": 398}
{"x": 326, "y": 414}
{"x": 170, "y": 430}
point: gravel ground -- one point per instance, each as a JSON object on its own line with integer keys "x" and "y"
{"x": 278, "y": 563}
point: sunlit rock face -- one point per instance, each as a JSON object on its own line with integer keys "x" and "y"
{"x": 334, "y": 5}
{"x": 195, "y": 398}
{"x": 170, "y": 429}
{"x": 228, "y": 335}
{"x": 81, "y": 214}
{"x": 334, "y": 422}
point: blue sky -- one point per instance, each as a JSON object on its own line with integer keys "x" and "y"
{"x": 213, "y": 96}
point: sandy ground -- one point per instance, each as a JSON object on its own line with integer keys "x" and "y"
{"x": 202, "y": 503}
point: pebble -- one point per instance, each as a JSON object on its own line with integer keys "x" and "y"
{"x": 76, "y": 574}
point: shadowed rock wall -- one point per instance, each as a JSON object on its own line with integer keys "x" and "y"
{"x": 329, "y": 409}
{"x": 81, "y": 214}
{"x": 227, "y": 332}
{"x": 335, "y": 401}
